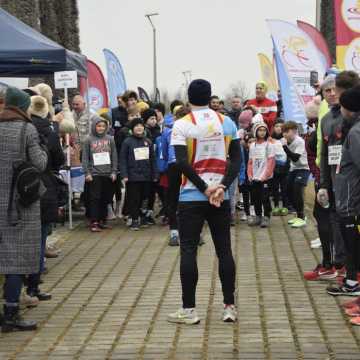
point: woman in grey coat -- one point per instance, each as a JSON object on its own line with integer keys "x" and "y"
{"x": 20, "y": 244}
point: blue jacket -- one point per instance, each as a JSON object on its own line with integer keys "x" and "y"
{"x": 243, "y": 167}
{"x": 167, "y": 149}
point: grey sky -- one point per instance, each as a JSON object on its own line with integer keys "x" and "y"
{"x": 217, "y": 40}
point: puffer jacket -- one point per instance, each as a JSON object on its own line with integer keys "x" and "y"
{"x": 347, "y": 177}
{"x": 137, "y": 170}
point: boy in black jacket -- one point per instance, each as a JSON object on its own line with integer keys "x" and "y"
{"x": 137, "y": 169}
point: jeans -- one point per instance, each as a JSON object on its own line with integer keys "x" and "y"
{"x": 33, "y": 280}
{"x": 192, "y": 216}
{"x": 12, "y": 289}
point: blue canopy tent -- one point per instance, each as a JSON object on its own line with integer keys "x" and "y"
{"x": 25, "y": 52}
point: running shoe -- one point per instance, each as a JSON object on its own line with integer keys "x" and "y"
{"x": 284, "y": 212}
{"x": 293, "y": 221}
{"x": 243, "y": 217}
{"x": 174, "y": 240}
{"x": 351, "y": 304}
{"x": 94, "y": 227}
{"x": 265, "y": 222}
{"x": 184, "y": 316}
{"x": 276, "y": 212}
{"x": 355, "y": 321}
{"x": 229, "y": 313}
{"x": 315, "y": 244}
{"x": 320, "y": 273}
{"x": 299, "y": 223}
{"x": 135, "y": 226}
{"x": 353, "y": 312}
{"x": 344, "y": 290}
{"x": 254, "y": 221}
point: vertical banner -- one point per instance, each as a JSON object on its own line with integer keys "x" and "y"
{"x": 299, "y": 55}
{"x": 268, "y": 75}
{"x": 293, "y": 105}
{"x": 115, "y": 77}
{"x": 94, "y": 88}
{"x": 318, "y": 40}
{"x": 347, "y": 21}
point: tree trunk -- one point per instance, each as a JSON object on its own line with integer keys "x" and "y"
{"x": 328, "y": 25}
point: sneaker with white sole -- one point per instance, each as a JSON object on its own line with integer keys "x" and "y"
{"x": 243, "y": 217}
{"x": 299, "y": 223}
{"x": 315, "y": 244}
{"x": 229, "y": 313}
{"x": 292, "y": 221}
{"x": 184, "y": 316}
{"x": 344, "y": 290}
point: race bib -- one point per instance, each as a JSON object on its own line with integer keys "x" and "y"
{"x": 259, "y": 153}
{"x": 117, "y": 124}
{"x": 142, "y": 153}
{"x": 102, "y": 158}
{"x": 335, "y": 153}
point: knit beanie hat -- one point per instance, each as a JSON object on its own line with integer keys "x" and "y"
{"x": 245, "y": 118}
{"x": 17, "y": 98}
{"x": 136, "y": 122}
{"x": 199, "y": 92}
{"x": 350, "y": 99}
{"x": 259, "y": 125}
{"x": 147, "y": 114}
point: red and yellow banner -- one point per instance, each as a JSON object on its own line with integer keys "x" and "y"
{"x": 347, "y": 20}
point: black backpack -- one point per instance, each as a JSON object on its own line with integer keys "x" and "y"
{"x": 26, "y": 181}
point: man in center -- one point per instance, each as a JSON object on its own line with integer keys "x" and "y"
{"x": 208, "y": 154}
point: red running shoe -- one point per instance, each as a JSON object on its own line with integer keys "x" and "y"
{"x": 355, "y": 321}
{"x": 351, "y": 304}
{"x": 94, "y": 227}
{"x": 354, "y": 311}
{"x": 320, "y": 273}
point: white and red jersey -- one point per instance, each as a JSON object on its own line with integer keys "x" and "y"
{"x": 267, "y": 108}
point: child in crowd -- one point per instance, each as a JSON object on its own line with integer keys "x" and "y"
{"x": 295, "y": 150}
{"x": 260, "y": 170}
{"x": 100, "y": 162}
{"x": 244, "y": 184}
{"x": 137, "y": 169}
{"x": 152, "y": 130}
{"x": 281, "y": 171}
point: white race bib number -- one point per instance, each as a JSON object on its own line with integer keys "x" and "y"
{"x": 142, "y": 153}
{"x": 259, "y": 153}
{"x": 335, "y": 153}
{"x": 102, "y": 158}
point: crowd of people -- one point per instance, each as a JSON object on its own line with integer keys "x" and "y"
{"x": 194, "y": 162}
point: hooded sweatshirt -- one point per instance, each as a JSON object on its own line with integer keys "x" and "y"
{"x": 99, "y": 156}
{"x": 261, "y": 163}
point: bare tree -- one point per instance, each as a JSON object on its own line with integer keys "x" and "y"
{"x": 239, "y": 89}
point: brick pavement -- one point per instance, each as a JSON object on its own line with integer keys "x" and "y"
{"x": 112, "y": 292}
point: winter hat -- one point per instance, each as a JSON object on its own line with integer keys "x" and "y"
{"x": 142, "y": 106}
{"x": 17, "y": 98}
{"x": 279, "y": 121}
{"x": 259, "y": 125}
{"x": 147, "y": 114}
{"x": 350, "y": 99}
{"x": 45, "y": 91}
{"x": 135, "y": 122}
{"x": 312, "y": 108}
{"x": 258, "y": 118}
{"x": 199, "y": 92}
{"x": 39, "y": 106}
{"x": 245, "y": 118}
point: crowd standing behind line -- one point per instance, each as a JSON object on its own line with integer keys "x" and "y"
{"x": 123, "y": 163}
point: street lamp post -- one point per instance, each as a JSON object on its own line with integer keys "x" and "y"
{"x": 318, "y": 14}
{"x": 149, "y": 16}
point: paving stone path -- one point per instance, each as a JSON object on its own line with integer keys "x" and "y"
{"x": 112, "y": 292}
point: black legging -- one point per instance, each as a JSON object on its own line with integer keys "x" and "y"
{"x": 261, "y": 197}
{"x": 245, "y": 191}
{"x": 278, "y": 185}
{"x": 350, "y": 232}
{"x": 174, "y": 178}
{"x": 192, "y": 216}
{"x": 295, "y": 190}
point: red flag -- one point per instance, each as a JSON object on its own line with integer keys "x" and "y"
{"x": 318, "y": 39}
{"x": 347, "y": 20}
{"x": 94, "y": 89}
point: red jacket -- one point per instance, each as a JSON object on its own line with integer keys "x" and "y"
{"x": 267, "y": 108}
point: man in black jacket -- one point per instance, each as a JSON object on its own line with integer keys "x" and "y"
{"x": 119, "y": 115}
